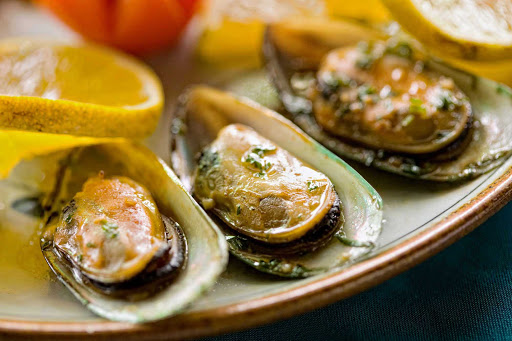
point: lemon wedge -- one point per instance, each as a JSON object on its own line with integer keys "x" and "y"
{"x": 82, "y": 90}
{"x": 478, "y": 30}
{"x": 55, "y": 96}
{"x": 371, "y": 11}
{"x": 19, "y": 145}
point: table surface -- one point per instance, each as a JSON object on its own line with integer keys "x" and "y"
{"x": 464, "y": 292}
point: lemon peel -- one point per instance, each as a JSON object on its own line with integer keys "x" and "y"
{"x": 77, "y": 89}
{"x": 476, "y": 30}
{"x": 20, "y": 145}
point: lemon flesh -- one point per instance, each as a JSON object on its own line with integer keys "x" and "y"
{"x": 76, "y": 89}
{"x": 479, "y": 30}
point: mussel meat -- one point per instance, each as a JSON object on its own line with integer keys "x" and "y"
{"x": 114, "y": 238}
{"x": 265, "y": 193}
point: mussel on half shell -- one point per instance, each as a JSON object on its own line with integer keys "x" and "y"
{"x": 284, "y": 215}
{"x": 377, "y": 100}
{"x": 117, "y": 236}
{"x": 113, "y": 237}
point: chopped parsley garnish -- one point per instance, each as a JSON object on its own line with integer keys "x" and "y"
{"x": 208, "y": 160}
{"x": 90, "y": 245}
{"x": 365, "y": 90}
{"x": 262, "y": 150}
{"x": 416, "y": 106}
{"x": 504, "y": 90}
{"x": 407, "y": 120}
{"x": 330, "y": 83}
{"x": 80, "y": 258}
{"x": 238, "y": 209}
{"x": 110, "y": 229}
{"x": 255, "y": 158}
{"x": 353, "y": 242}
{"x": 365, "y": 62}
{"x": 446, "y": 101}
{"x": 389, "y": 105}
{"x": 68, "y": 219}
{"x": 312, "y": 186}
{"x": 401, "y": 49}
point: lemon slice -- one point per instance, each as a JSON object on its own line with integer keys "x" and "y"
{"x": 19, "y": 145}
{"x": 371, "y": 11}
{"x": 82, "y": 90}
{"x": 233, "y": 29}
{"x": 465, "y": 29}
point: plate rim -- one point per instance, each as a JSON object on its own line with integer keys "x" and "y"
{"x": 353, "y": 280}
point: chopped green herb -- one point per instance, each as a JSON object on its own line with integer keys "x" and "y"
{"x": 207, "y": 161}
{"x": 262, "y": 150}
{"x": 293, "y": 270}
{"x": 255, "y": 158}
{"x": 401, "y": 49}
{"x": 238, "y": 209}
{"x": 330, "y": 82}
{"x": 504, "y": 90}
{"x": 312, "y": 186}
{"x": 80, "y": 258}
{"x": 365, "y": 90}
{"x": 446, "y": 101}
{"x": 416, "y": 106}
{"x": 389, "y": 105}
{"x": 353, "y": 242}
{"x": 365, "y": 62}
{"x": 90, "y": 245}
{"x": 68, "y": 219}
{"x": 110, "y": 229}
{"x": 407, "y": 120}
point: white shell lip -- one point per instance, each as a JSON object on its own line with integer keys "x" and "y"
{"x": 207, "y": 248}
{"x": 361, "y": 204}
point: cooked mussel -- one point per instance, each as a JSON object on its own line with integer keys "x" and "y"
{"x": 113, "y": 238}
{"x": 375, "y": 99}
{"x": 265, "y": 193}
{"x": 279, "y": 213}
{"x": 125, "y": 238}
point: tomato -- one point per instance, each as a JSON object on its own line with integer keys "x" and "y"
{"x": 136, "y": 26}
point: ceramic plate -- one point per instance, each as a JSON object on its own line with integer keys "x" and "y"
{"x": 420, "y": 219}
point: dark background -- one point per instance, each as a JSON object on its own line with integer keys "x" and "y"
{"x": 462, "y": 293}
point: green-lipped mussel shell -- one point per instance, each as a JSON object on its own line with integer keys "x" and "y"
{"x": 473, "y": 146}
{"x": 143, "y": 292}
{"x": 203, "y": 112}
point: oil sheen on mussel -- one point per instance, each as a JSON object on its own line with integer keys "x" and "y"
{"x": 275, "y": 202}
{"x": 114, "y": 239}
{"x": 379, "y": 102}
